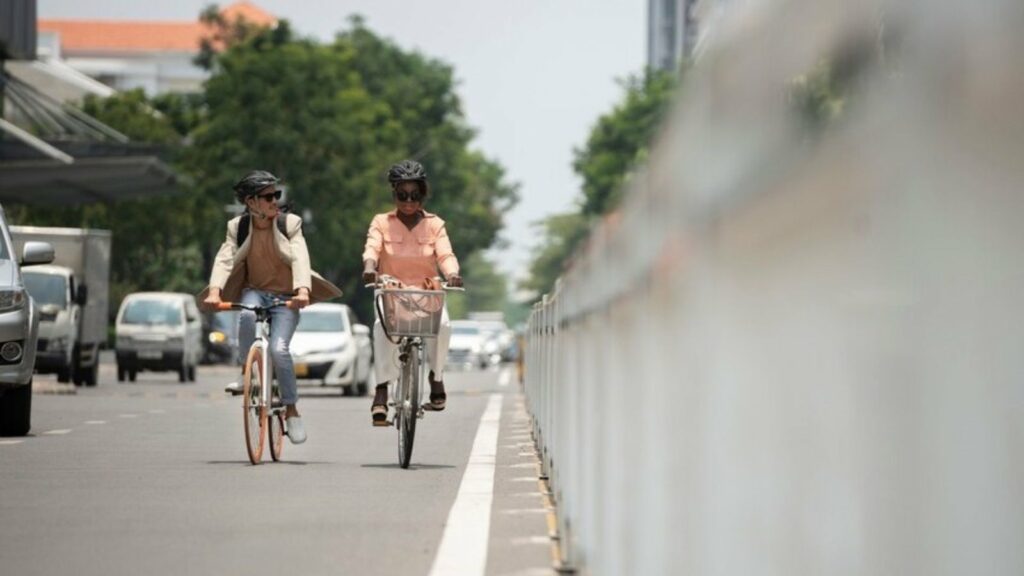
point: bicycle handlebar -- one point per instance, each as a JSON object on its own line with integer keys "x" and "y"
{"x": 384, "y": 280}
{"x": 251, "y": 307}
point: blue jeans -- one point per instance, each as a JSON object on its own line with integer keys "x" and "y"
{"x": 282, "y": 327}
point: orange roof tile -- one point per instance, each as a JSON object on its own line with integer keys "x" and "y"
{"x": 250, "y": 13}
{"x": 144, "y": 36}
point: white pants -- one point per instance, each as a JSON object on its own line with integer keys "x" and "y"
{"x": 386, "y": 364}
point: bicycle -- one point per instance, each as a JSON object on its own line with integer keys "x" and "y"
{"x": 263, "y": 412}
{"x": 409, "y": 317}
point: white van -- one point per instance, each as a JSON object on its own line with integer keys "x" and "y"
{"x": 158, "y": 331}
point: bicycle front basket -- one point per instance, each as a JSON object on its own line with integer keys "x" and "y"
{"x": 411, "y": 312}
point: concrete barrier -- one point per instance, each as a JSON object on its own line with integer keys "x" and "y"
{"x": 798, "y": 347}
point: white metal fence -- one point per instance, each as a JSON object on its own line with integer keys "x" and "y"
{"x": 798, "y": 348}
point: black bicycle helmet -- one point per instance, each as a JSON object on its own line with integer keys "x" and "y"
{"x": 252, "y": 183}
{"x": 407, "y": 171}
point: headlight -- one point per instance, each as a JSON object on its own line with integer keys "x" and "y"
{"x": 57, "y": 344}
{"x": 217, "y": 337}
{"x": 11, "y": 300}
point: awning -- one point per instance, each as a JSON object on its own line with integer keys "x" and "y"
{"x": 86, "y": 180}
{"x": 61, "y": 156}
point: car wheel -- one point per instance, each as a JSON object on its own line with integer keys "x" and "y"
{"x": 121, "y": 373}
{"x": 16, "y": 410}
{"x": 91, "y": 375}
{"x": 132, "y": 373}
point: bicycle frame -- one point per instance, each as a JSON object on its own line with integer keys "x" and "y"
{"x": 407, "y": 389}
{"x": 259, "y": 404}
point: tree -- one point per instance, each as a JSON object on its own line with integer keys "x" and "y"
{"x": 620, "y": 138}
{"x": 616, "y": 144}
{"x": 561, "y": 234}
{"x": 487, "y": 288}
{"x": 329, "y": 119}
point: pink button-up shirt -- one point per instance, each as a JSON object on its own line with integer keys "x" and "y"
{"x": 410, "y": 255}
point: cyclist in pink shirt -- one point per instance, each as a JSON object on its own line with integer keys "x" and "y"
{"x": 409, "y": 244}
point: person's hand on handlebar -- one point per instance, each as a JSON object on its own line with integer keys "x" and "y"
{"x": 455, "y": 281}
{"x": 300, "y": 299}
{"x": 369, "y": 272}
{"x": 212, "y": 299}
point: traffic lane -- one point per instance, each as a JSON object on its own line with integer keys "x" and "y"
{"x": 172, "y": 490}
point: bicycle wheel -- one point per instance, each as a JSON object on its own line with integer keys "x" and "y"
{"x": 275, "y": 428}
{"x": 255, "y": 414}
{"x": 407, "y": 405}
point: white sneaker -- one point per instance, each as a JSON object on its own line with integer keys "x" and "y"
{"x": 296, "y": 431}
{"x": 235, "y": 388}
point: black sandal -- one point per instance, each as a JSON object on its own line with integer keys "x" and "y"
{"x": 379, "y": 413}
{"x": 379, "y": 410}
{"x": 436, "y": 403}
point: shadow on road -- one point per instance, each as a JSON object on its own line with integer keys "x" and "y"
{"x": 411, "y": 466}
{"x": 246, "y": 462}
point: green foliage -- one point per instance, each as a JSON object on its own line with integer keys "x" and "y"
{"x": 153, "y": 244}
{"x": 487, "y": 288}
{"x": 561, "y": 234}
{"x": 329, "y": 120}
{"x": 620, "y": 138}
{"x": 617, "y": 143}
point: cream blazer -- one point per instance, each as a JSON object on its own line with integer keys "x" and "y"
{"x": 229, "y": 272}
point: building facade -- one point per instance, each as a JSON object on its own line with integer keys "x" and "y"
{"x": 124, "y": 55}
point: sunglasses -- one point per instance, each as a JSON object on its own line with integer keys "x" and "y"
{"x": 275, "y": 195}
{"x": 414, "y": 196}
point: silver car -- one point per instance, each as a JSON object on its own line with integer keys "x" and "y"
{"x": 19, "y": 329}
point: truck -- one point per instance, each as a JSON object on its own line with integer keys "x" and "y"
{"x": 73, "y": 299}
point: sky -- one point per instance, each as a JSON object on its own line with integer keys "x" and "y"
{"x": 534, "y": 75}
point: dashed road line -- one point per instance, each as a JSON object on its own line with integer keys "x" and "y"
{"x": 59, "y": 432}
{"x": 505, "y": 377}
{"x": 157, "y": 411}
{"x": 128, "y": 415}
{"x": 10, "y": 442}
{"x": 95, "y": 422}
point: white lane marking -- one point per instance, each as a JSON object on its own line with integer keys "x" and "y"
{"x": 60, "y": 432}
{"x": 505, "y": 377}
{"x": 129, "y": 415}
{"x": 521, "y": 511}
{"x": 10, "y": 442}
{"x": 95, "y": 422}
{"x": 523, "y": 541}
{"x": 463, "y": 548}
{"x": 157, "y": 411}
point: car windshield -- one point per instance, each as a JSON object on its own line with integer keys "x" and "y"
{"x": 47, "y": 288}
{"x": 321, "y": 321}
{"x": 152, "y": 312}
{"x": 465, "y": 330}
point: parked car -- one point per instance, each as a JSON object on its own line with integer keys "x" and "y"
{"x": 220, "y": 337}
{"x": 330, "y": 348}
{"x": 19, "y": 331}
{"x": 158, "y": 331}
{"x": 467, "y": 346}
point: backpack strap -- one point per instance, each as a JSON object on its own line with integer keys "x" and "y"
{"x": 243, "y": 229}
{"x": 245, "y": 222}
